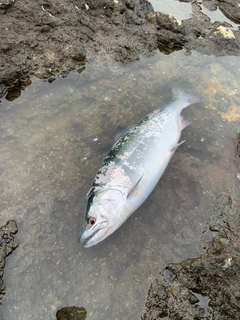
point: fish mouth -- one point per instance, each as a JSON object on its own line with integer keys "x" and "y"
{"x": 86, "y": 238}
{"x": 89, "y": 236}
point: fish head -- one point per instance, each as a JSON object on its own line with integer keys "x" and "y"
{"x": 104, "y": 214}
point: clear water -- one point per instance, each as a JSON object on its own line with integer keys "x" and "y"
{"x": 53, "y": 139}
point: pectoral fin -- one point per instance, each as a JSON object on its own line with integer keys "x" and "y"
{"x": 134, "y": 185}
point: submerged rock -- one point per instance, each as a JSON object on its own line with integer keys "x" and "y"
{"x": 72, "y": 313}
{"x": 7, "y": 245}
{"x": 207, "y": 287}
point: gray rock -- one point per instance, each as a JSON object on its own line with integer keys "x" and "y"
{"x": 7, "y": 245}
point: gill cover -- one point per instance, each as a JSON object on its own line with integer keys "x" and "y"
{"x": 106, "y": 210}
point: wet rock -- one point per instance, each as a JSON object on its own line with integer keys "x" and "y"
{"x": 15, "y": 91}
{"x": 50, "y": 39}
{"x": 169, "y": 31}
{"x": 231, "y": 9}
{"x": 7, "y": 245}
{"x": 197, "y": 33}
{"x": 5, "y": 4}
{"x": 206, "y": 287}
{"x": 210, "y": 38}
{"x": 211, "y": 5}
{"x": 238, "y": 144}
{"x": 72, "y": 313}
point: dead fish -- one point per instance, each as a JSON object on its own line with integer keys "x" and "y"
{"x": 133, "y": 167}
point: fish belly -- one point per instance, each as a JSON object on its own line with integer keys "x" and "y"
{"x": 153, "y": 163}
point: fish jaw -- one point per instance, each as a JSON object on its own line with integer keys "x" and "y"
{"x": 95, "y": 234}
{"x": 107, "y": 209}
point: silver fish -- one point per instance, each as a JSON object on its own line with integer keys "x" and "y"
{"x": 132, "y": 169}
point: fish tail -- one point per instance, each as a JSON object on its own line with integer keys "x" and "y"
{"x": 187, "y": 98}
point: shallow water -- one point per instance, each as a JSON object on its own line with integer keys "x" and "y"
{"x": 53, "y": 139}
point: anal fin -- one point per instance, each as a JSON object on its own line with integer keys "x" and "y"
{"x": 175, "y": 148}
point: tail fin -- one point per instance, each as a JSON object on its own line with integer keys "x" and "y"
{"x": 186, "y": 97}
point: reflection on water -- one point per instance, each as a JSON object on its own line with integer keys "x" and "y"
{"x": 180, "y": 10}
{"x": 53, "y": 139}
{"x": 183, "y": 10}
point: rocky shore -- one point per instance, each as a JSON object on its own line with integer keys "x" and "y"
{"x": 47, "y": 38}
{"x": 206, "y": 287}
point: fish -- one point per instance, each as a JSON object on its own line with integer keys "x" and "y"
{"x": 133, "y": 167}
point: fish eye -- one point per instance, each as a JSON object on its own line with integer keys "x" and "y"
{"x": 91, "y": 221}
